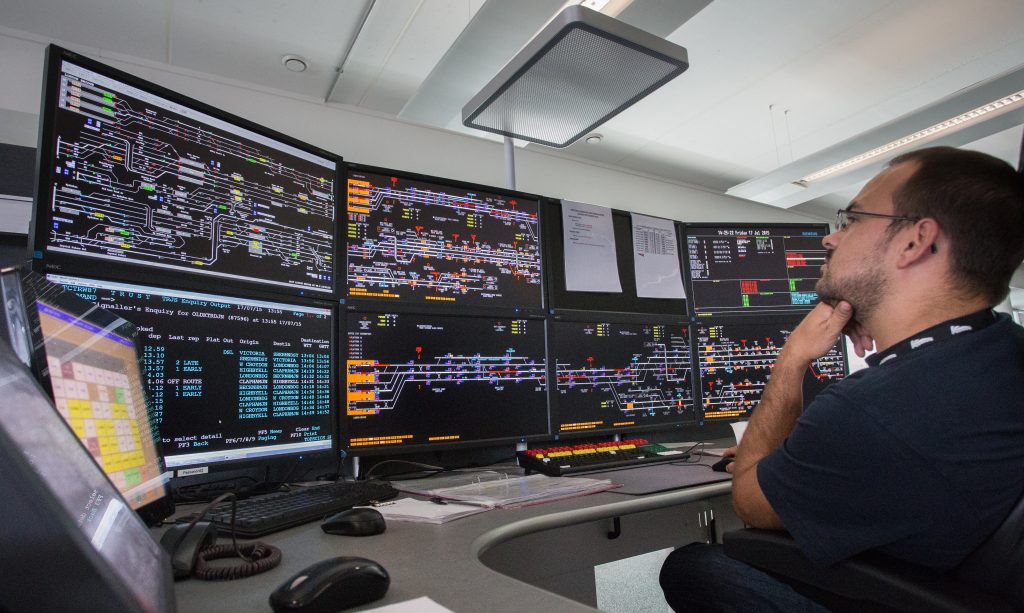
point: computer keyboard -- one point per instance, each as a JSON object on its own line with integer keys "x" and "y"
{"x": 269, "y": 513}
{"x": 592, "y": 457}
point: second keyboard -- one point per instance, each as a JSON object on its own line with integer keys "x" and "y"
{"x": 557, "y": 461}
{"x": 277, "y": 511}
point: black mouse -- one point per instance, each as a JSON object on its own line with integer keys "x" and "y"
{"x": 721, "y": 464}
{"x": 331, "y": 585}
{"x": 185, "y": 547}
{"x": 359, "y": 521}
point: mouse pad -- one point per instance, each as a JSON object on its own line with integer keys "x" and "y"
{"x": 660, "y": 477}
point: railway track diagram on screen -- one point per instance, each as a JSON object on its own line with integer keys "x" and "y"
{"x": 736, "y": 361}
{"x": 378, "y": 375}
{"x": 627, "y": 370}
{"x": 414, "y": 242}
{"x": 427, "y": 379}
{"x": 138, "y": 182}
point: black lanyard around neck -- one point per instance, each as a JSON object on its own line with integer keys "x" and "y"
{"x": 941, "y": 332}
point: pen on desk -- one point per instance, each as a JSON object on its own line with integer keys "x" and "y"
{"x": 468, "y": 503}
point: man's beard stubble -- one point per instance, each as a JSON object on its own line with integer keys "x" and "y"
{"x": 863, "y": 288}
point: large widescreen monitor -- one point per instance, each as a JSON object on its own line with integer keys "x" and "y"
{"x": 615, "y": 375}
{"x": 425, "y": 241}
{"x": 415, "y": 381}
{"x": 71, "y": 542}
{"x": 736, "y": 356}
{"x": 230, "y": 379}
{"x": 753, "y": 269}
{"x": 141, "y": 181}
{"x": 88, "y": 360}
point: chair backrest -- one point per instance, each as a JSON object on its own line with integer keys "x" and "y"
{"x": 997, "y": 565}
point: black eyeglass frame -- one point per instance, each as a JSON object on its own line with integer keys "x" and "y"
{"x": 843, "y": 215}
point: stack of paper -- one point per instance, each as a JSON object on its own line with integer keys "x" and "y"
{"x": 499, "y": 490}
{"x": 425, "y": 511}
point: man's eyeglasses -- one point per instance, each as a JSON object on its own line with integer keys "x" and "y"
{"x": 844, "y": 216}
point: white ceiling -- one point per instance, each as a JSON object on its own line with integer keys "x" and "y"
{"x": 771, "y": 81}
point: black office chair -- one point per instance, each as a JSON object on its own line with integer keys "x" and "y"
{"x": 991, "y": 578}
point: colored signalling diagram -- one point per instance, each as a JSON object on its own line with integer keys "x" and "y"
{"x": 621, "y": 376}
{"x": 419, "y": 243}
{"x": 428, "y": 379}
{"x": 735, "y": 361}
{"x": 144, "y": 180}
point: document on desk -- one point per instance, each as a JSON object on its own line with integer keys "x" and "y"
{"x": 427, "y": 512}
{"x": 498, "y": 490}
{"x": 423, "y": 604}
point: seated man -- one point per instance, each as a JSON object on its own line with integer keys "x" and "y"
{"x": 921, "y": 455}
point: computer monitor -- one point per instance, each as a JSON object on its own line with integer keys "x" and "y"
{"x": 736, "y": 357}
{"x": 231, "y": 379}
{"x": 88, "y": 360}
{"x": 140, "y": 181}
{"x": 70, "y": 539}
{"x": 627, "y": 301}
{"x": 418, "y": 240}
{"x": 753, "y": 269}
{"x": 614, "y": 375}
{"x": 433, "y": 381}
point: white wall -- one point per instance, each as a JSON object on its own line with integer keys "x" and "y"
{"x": 364, "y": 137}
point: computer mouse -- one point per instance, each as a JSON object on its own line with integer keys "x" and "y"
{"x": 331, "y": 585}
{"x": 720, "y": 465}
{"x": 358, "y": 521}
{"x": 184, "y": 547}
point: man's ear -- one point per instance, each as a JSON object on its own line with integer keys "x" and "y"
{"x": 920, "y": 242}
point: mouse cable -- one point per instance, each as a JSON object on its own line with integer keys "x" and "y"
{"x": 260, "y": 557}
{"x": 256, "y": 557}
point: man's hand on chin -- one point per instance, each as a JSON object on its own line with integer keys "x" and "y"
{"x": 862, "y": 341}
{"x": 817, "y": 333}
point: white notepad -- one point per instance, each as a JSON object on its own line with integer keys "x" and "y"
{"x": 425, "y": 511}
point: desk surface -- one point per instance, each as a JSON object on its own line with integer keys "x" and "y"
{"x": 439, "y": 561}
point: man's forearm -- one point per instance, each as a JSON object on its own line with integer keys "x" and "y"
{"x": 771, "y": 423}
{"x": 775, "y": 416}
{"x": 780, "y": 407}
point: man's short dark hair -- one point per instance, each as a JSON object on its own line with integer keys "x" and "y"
{"x": 978, "y": 201}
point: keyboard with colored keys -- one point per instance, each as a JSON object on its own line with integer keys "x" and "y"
{"x": 592, "y": 457}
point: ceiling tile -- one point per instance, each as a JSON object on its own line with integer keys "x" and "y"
{"x": 245, "y": 41}
{"x": 135, "y": 28}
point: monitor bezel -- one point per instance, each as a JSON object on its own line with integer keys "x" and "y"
{"x": 564, "y": 300}
{"x": 684, "y": 234}
{"x": 46, "y": 261}
{"x": 210, "y": 468}
{"x": 424, "y": 306}
{"x": 401, "y": 449}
